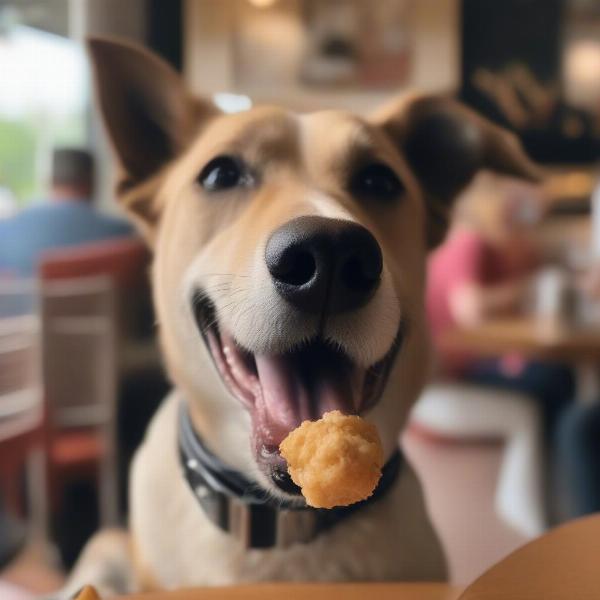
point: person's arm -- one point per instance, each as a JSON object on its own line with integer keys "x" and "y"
{"x": 470, "y": 299}
{"x": 589, "y": 282}
{"x": 470, "y": 302}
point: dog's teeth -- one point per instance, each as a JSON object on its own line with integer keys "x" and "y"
{"x": 237, "y": 377}
{"x": 254, "y": 384}
{"x": 230, "y": 359}
{"x": 227, "y": 353}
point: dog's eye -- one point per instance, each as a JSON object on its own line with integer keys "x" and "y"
{"x": 376, "y": 181}
{"x": 222, "y": 173}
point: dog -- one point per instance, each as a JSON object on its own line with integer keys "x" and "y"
{"x": 288, "y": 276}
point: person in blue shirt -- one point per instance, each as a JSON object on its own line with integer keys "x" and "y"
{"x": 67, "y": 218}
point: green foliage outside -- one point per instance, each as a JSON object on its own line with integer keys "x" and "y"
{"x": 21, "y": 141}
{"x": 17, "y": 158}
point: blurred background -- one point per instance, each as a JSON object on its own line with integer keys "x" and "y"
{"x": 506, "y": 437}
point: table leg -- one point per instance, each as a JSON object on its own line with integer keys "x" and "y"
{"x": 587, "y": 383}
{"x": 37, "y": 492}
{"x": 12, "y": 537}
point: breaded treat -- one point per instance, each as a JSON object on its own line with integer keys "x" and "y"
{"x": 87, "y": 593}
{"x": 336, "y": 460}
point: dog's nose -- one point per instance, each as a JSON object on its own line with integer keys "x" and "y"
{"x": 321, "y": 264}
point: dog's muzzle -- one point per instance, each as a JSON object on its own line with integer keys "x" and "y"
{"x": 323, "y": 269}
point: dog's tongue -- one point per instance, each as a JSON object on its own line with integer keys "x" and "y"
{"x": 300, "y": 386}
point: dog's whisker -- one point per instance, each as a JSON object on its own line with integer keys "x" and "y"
{"x": 232, "y": 275}
{"x": 218, "y": 289}
{"x": 224, "y": 287}
{"x": 226, "y": 307}
{"x": 241, "y": 316}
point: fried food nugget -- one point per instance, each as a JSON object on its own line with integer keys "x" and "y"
{"x": 87, "y": 593}
{"x": 336, "y": 460}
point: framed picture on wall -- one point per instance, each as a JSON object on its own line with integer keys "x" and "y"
{"x": 352, "y": 42}
{"x": 337, "y": 43}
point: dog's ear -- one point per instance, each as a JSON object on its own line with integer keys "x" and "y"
{"x": 445, "y": 144}
{"x": 149, "y": 116}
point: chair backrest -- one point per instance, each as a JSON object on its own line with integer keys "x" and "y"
{"x": 20, "y": 387}
{"x": 124, "y": 261}
{"x": 79, "y": 324}
{"x": 18, "y": 297}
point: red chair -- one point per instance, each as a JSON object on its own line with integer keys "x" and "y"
{"x": 90, "y": 299}
{"x": 80, "y": 386}
{"x": 124, "y": 260}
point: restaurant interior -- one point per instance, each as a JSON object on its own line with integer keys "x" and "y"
{"x": 505, "y": 437}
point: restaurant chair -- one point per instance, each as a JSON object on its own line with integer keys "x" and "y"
{"x": 454, "y": 411}
{"x": 21, "y": 425}
{"x": 78, "y": 324}
{"x": 126, "y": 263}
{"x": 19, "y": 297}
{"x": 140, "y": 375}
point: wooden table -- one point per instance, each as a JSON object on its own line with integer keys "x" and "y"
{"x": 529, "y": 337}
{"x": 563, "y": 564}
{"x": 574, "y": 345}
{"x": 290, "y": 591}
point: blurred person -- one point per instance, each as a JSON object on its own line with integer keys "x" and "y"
{"x": 484, "y": 270}
{"x": 578, "y": 458}
{"x": 66, "y": 219}
{"x": 578, "y": 438}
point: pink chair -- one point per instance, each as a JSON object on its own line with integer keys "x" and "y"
{"x": 457, "y": 411}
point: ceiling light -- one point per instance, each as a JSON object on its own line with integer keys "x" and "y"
{"x": 262, "y": 3}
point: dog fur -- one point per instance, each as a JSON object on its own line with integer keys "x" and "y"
{"x": 163, "y": 137}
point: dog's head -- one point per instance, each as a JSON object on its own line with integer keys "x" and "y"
{"x": 289, "y": 249}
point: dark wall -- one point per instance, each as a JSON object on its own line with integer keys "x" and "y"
{"x": 496, "y": 33}
{"x": 165, "y": 30}
{"x": 499, "y": 34}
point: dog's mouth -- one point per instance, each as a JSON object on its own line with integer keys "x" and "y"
{"x": 282, "y": 390}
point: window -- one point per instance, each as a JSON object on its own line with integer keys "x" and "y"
{"x": 43, "y": 94}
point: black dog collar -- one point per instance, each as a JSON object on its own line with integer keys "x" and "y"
{"x": 247, "y": 511}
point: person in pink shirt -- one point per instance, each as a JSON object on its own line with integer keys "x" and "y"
{"x": 483, "y": 270}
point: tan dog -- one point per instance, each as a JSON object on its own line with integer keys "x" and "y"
{"x": 288, "y": 280}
